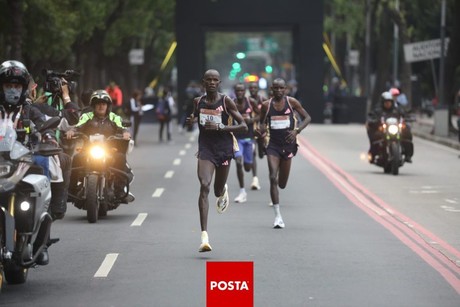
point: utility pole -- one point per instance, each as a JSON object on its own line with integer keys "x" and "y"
{"x": 441, "y": 114}
{"x": 395, "y": 47}
{"x": 368, "y": 55}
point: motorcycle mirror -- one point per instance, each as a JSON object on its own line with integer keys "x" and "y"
{"x": 51, "y": 123}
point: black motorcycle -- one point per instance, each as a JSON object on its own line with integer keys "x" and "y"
{"x": 95, "y": 190}
{"x": 25, "y": 195}
{"x": 390, "y": 155}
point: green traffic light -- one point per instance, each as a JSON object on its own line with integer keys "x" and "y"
{"x": 268, "y": 69}
{"x": 240, "y": 55}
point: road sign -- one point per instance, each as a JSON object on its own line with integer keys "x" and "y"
{"x": 136, "y": 56}
{"x": 424, "y": 50}
{"x": 353, "y": 57}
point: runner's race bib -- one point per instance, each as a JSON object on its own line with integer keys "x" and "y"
{"x": 280, "y": 122}
{"x": 207, "y": 115}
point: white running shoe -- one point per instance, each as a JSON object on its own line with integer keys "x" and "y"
{"x": 222, "y": 201}
{"x": 255, "y": 183}
{"x": 241, "y": 198}
{"x": 204, "y": 247}
{"x": 278, "y": 224}
{"x": 270, "y": 204}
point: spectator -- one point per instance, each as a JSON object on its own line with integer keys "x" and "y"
{"x": 116, "y": 95}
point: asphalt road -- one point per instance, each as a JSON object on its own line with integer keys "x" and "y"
{"x": 354, "y": 236}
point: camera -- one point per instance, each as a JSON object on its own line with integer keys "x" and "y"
{"x": 53, "y": 81}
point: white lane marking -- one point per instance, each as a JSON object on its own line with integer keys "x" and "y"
{"x": 450, "y": 201}
{"x": 188, "y": 145}
{"x": 450, "y": 209}
{"x": 176, "y": 162}
{"x": 169, "y": 174}
{"x": 106, "y": 265}
{"x": 158, "y": 192}
{"x": 182, "y": 153}
{"x": 139, "y": 219}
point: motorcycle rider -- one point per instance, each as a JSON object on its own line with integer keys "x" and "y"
{"x": 103, "y": 121}
{"x": 386, "y": 108}
{"x": 14, "y": 85}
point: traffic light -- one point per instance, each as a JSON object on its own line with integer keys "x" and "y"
{"x": 240, "y": 55}
{"x": 268, "y": 69}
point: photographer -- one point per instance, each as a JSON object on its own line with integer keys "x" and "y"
{"x": 60, "y": 105}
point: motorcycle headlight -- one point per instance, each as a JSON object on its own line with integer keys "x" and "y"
{"x": 97, "y": 152}
{"x": 25, "y": 206}
{"x": 393, "y": 129}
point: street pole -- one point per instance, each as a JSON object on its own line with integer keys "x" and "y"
{"x": 443, "y": 47}
{"x": 368, "y": 55}
{"x": 395, "y": 47}
{"x": 441, "y": 119}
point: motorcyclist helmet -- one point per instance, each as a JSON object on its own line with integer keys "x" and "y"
{"x": 386, "y": 96}
{"x": 101, "y": 96}
{"x": 13, "y": 72}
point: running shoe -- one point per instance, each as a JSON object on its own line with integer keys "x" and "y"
{"x": 241, "y": 198}
{"x": 204, "y": 247}
{"x": 278, "y": 224}
{"x": 255, "y": 183}
{"x": 222, "y": 201}
{"x": 270, "y": 204}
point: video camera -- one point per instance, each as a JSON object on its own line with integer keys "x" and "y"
{"x": 53, "y": 80}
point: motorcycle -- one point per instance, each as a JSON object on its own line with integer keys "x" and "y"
{"x": 95, "y": 189}
{"x": 390, "y": 155}
{"x": 25, "y": 195}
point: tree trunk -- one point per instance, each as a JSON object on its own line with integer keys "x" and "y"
{"x": 17, "y": 29}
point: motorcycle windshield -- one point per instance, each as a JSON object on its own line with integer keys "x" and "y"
{"x": 8, "y": 141}
{"x": 391, "y": 121}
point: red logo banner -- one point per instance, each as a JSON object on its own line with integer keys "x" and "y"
{"x": 230, "y": 284}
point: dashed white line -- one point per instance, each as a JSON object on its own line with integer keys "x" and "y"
{"x": 176, "y": 162}
{"x": 169, "y": 174}
{"x": 139, "y": 219}
{"x": 106, "y": 265}
{"x": 450, "y": 201}
{"x": 188, "y": 145}
{"x": 182, "y": 153}
{"x": 158, "y": 192}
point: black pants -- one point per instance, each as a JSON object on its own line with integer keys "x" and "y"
{"x": 59, "y": 190}
{"x": 166, "y": 123}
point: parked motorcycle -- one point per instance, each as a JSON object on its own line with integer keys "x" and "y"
{"x": 25, "y": 196}
{"x": 390, "y": 155}
{"x": 95, "y": 190}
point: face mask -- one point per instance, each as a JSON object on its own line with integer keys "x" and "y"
{"x": 12, "y": 95}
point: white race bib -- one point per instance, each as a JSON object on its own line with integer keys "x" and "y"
{"x": 208, "y": 115}
{"x": 280, "y": 122}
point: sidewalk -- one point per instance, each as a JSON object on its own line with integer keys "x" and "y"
{"x": 423, "y": 127}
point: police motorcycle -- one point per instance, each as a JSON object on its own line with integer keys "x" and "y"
{"x": 96, "y": 189}
{"x": 390, "y": 155}
{"x": 25, "y": 195}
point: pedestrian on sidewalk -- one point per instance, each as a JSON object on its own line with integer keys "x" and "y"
{"x": 217, "y": 118}
{"x": 278, "y": 117}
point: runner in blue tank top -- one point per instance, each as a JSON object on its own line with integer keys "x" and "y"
{"x": 217, "y": 118}
{"x": 245, "y": 156}
{"x": 277, "y": 115}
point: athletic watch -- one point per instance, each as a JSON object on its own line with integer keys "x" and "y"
{"x": 220, "y": 126}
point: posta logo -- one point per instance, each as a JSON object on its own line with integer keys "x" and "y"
{"x": 230, "y": 284}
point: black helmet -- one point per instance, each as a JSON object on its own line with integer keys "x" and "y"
{"x": 101, "y": 95}
{"x": 14, "y": 72}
